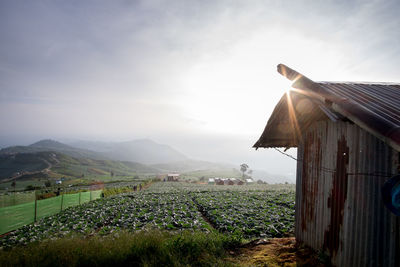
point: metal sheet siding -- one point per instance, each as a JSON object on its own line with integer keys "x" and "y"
{"x": 341, "y": 169}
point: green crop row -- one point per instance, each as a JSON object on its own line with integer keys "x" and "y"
{"x": 255, "y": 214}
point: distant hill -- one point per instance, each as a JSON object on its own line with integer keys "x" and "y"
{"x": 11, "y": 165}
{"x": 55, "y": 146}
{"x": 142, "y": 150}
{"x": 48, "y": 143}
{"x": 56, "y": 165}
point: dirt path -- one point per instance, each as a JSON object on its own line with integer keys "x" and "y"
{"x": 275, "y": 252}
{"x": 203, "y": 214}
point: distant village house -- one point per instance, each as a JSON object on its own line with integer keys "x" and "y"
{"x": 172, "y": 177}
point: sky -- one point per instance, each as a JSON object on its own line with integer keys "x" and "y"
{"x": 197, "y": 75}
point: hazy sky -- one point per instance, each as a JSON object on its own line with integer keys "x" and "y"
{"x": 198, "y": 75}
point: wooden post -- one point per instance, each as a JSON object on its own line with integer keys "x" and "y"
{"x": 34, "y": 219}
{"x": 62, "y": 200}
{"x": 13, "y": 185}
{"x": 79, "y": 198}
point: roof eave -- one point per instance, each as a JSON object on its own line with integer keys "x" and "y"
{"x": 384, "y": 130}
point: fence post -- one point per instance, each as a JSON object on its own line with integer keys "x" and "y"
{"x": 62, "y": 200}
{"x": 35, "y": 207}
{"x": 79, "y": 198}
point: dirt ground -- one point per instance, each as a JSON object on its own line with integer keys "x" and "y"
{"x": 275, "y": 252}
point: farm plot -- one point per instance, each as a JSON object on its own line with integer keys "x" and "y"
{"x": 255, "y": 214}
{"x": 130, "y": 212}
{"x": 254, "y": 211}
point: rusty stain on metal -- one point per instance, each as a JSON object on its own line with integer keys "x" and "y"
{"x": 337, "y": 197}
{"x": 310, "y": 184}
{"x": 340, "y": 213}
{"x": 350, "y": 222}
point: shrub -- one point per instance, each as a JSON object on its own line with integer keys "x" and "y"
{"x": 46, "y": 195}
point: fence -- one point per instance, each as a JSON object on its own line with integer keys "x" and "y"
{"x": 16, "y": 198}
{"x": 13, "y": 217}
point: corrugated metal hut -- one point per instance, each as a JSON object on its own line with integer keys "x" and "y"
{"x": 172, "y": 177}
{"x": 219, "y": 181}
{"x": 239, "y": 182}
{"x": 229, "y": 182}
{"x": 348, "y": 141}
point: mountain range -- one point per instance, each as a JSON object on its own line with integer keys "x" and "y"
{"x": 52, "y": 145}
{"x": 93, "y": 158}
{"x": 144, "y": 157}
{"x": 144, "y": 151}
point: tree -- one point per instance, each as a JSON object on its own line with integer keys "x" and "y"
{"x": 250, "y": 172}
{"x": 29, "y": 188}
{"x": 13, "y": 184}
{"x": 243, "y": 168}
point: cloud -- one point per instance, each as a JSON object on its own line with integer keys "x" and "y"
{"x": 121, "y": 69}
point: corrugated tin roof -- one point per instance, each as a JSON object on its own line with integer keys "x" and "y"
{"x": 375, "y": 107}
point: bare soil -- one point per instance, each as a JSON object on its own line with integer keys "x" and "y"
{"x": 275, "y": 252}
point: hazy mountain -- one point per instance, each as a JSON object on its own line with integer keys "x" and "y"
{"x": 97, "y": 146}
{"x": 51, "y": 145}
{"x": 48, "y": 143}
{"x": 143, "y": 150}
{"x": 192, "y": 165}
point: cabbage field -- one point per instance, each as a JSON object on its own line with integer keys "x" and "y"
{"x": 251, "y": 211}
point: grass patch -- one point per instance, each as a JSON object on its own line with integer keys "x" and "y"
{"x": 153, "y": 248}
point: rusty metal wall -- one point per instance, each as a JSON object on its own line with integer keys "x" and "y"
{"x": 341, "y": 169}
